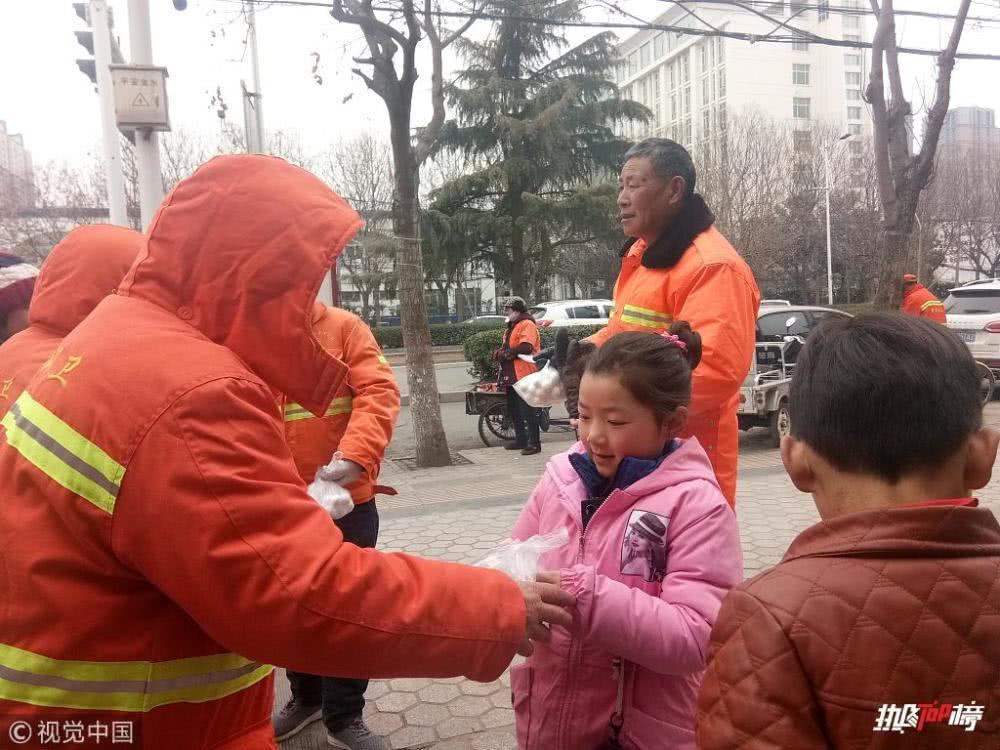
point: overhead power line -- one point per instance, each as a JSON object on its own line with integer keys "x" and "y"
{"x": 832, "y": 9}
{"x": 800, "y": 36}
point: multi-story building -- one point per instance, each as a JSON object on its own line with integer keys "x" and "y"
{"x": 695, "y": 84}
{"x": 969, "y": 129}
{"x": 17, "y": 181}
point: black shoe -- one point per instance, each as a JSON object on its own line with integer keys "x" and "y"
{"x": 293, "y": 718}
{"x": 515, "y": 446}
{"x": 531, "y": 450}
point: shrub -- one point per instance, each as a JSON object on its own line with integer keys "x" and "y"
{"x": 443, "y": 334}
{"x": 480, "y": 347}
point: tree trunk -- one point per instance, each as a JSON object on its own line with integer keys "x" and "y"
{"x": 518, "y": 281}
{"x": 425, "y": 407}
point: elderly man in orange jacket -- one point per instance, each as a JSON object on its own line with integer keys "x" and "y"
{"x": 160, "y": 550}
{"x": 345, "y": 446}
{"x": 678, "y": 266}
{"x": 80, "y": 271}
{"x": 920, "y": 302}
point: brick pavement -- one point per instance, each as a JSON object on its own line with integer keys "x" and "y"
{"x": 459, "y": 513}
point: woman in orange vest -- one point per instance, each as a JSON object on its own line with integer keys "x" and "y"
{"x": 920, "y": 302}
{"x": 520, "y": 339}
{"x": 678, "y": 266}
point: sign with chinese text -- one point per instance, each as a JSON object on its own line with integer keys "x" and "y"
{"x": 140, "y": 97}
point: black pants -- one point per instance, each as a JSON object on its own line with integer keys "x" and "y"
{"x": 343, "y": 699}
{"x": 524, "y": 417}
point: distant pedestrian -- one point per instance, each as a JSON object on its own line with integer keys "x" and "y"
{"x": 653, "y": 549}
{"x": 520, "y": 339}
{"x": 920, "y": 302}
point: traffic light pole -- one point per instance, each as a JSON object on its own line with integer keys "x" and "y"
{"x": 109, "y": 126}
{"x": 147, "y": 141}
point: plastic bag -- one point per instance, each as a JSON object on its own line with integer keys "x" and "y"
{"x": 333, "y": 498}
{"x": 541, "y": 389}
{"x": 519, "y": 560}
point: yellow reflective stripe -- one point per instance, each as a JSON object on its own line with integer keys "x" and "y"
{"x": 931, "y": 303}
{"x": 382, "y": 360}
{"x": 295, "y": 412}
{"x": 39, "y": 680}
{"x": 62, "y": 453}
{"x": 647, "y": 313}
{"x": 642, "y": 322}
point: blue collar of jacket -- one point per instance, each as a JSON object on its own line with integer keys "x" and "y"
{"x": 630, "y": 471}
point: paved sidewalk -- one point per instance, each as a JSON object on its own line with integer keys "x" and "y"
{"x": 459, "y": 513}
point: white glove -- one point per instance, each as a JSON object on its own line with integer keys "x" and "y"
{"x": 333, "y": 498}
{"x": 340, "y": 470}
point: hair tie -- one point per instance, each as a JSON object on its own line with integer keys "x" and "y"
{"x": 674, "y": 340}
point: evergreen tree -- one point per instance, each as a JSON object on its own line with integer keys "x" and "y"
{"x": 535, "y": 120}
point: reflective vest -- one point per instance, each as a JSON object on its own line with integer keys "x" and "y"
{"x": 921, "y": 302}
{"x": 713, "y": 289}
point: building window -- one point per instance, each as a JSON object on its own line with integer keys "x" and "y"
{"x": 854, "y": 129}
{"x": 659, "y": 46}
{"x": 800, "y": 108}
{"x": 704, "y": 54}
{"x": 802, "y": 140}
{"x": 853, "y": 95}
{"x": 706, "y": 122}
{"x": 797, "y": 8}
{"x": 853, "y": 61}
{"x": 722, "y": 83}
{"x": 855, "y": 147}
{"x": 852, "y": 22}
{"x": 824, "y": 9}
{"x": 720, "y": 49}
{"x": 854, "y": 113}
{"x": 852, "y": 38}
{"x": 776, "y": 8}
{"x": 800, "y": 46}
{"x": 644, "y": 55}
{"x": 852, "y": 78}
{"x": 705, "y": 96}
{"x": 800, "y": 74}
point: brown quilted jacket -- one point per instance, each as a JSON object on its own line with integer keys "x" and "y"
{"x": 890, "y": 606}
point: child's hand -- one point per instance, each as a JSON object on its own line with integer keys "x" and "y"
{"x": 550, "y": 576}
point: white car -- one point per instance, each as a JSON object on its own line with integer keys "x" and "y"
{"x": 573, "y": 312}
{"x": 973, "y": 312}
{"x": 775, "y": 303}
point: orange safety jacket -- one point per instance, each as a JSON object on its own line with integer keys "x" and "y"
{"x": 360, "y": 421}
{"x": 81, "y": 270}
{"x": 920, "y": 302}
{"x": 524, "y": 332}
{"x": 159, "y": 550}
{"x": 713, "y": 289}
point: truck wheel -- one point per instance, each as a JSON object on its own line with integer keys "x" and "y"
{"x": 781, "y": 423}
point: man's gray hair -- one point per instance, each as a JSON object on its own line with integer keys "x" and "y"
{"x": 668, "y": 158}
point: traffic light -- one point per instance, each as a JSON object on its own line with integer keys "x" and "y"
{"x": 86, "y": 39}
{"x": 180, "y": 4}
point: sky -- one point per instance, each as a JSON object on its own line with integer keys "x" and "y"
{"x": 46, "y": 98}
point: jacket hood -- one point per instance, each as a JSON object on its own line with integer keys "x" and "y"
{"x": 239, "y": 250}
{"x": 686, "y": 462}
{"x": 84, "y": 268}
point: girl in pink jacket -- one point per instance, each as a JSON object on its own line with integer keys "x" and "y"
{"x": 653, "y": 549}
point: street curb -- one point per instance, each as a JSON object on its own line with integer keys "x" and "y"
{"x": 454, "y": 397}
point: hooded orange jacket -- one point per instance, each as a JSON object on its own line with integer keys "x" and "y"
{"x": 919, "y": 301}
{"x": 713, "y": 289}
{"x": 159, "y": 548}
{"x": 360, "y": 421}
{"x": 80, "y": 271}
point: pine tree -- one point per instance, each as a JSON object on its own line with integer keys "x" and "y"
{"x": 536, "y": 122}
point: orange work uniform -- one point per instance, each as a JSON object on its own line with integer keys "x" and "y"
{"x": 713, "y": 289}
{"x": 361, "y": 419}
{"x": 160, "y": 551}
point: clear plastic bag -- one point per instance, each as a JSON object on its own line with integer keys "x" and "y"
{"x": 333, "y": 498}
{"x": 542, "y": 389}
{"x": 519, "y": 560}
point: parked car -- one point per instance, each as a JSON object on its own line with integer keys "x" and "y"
{"x": 775, "y": 303}
{"x": 487, "y": 320}
{"x": 973, "y": 312}
{"x": 780, "y": 334}
{"x": 573, "y": 312}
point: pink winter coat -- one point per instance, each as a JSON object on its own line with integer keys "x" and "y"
{"x": 654, "y": 611}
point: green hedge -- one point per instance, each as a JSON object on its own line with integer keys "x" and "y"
{"x": 444, "y": 334}
{"x": 480, "y": 347}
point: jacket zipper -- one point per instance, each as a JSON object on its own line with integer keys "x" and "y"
{"x": 576, "y": 646}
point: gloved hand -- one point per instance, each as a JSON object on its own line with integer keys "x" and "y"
{"x": 333, "y": 498}
{"x": 340, "y": 470}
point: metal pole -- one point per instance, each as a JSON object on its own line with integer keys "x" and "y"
{"x": 255, "y": 63}
{"x": 99, "y": 20}
{"x": 147, "y": 140}
{"x": 829, "y": 252}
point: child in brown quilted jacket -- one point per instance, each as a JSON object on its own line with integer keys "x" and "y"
{"x": 880, "y": 628}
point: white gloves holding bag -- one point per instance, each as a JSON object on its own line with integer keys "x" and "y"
{"x": 328, "y": 490}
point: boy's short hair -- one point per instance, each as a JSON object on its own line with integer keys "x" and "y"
{"x": 884, "y": 394}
